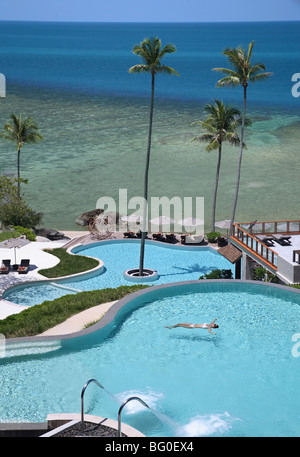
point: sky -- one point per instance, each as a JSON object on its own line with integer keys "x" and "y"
{"x": 153, "y": 11}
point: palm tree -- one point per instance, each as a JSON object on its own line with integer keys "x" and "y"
{"x": 22, "y": 132}
{"x": 242, "y": 73}
{"x": 219, "y": 126}
{"x": 151, "y": 53}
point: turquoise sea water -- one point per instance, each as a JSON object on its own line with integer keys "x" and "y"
{"x": 243, "y": 381}
{"x": 73, "y": 80}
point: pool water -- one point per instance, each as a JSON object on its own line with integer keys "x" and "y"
{"x": 173, "y": 263}
{"x": 243, "y": 381}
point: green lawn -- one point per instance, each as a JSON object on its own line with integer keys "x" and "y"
{"x": 69, "y": 264}
{"x": 39, "y": 318}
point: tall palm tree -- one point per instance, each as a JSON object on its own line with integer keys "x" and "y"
{"x": 151, "y": 53}
{"x": 219, "y": 126}
{"x": 242, "y": 73}
{"x": 21, "y": 131}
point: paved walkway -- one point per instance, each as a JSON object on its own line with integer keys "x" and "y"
{"x": 39, "y": 259}
{"x": 80, "y": 320}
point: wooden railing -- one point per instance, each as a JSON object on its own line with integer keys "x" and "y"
{"x": 270, "y": 227}
{"x": 244, "y": 233}
{"x": 253, "y": 244}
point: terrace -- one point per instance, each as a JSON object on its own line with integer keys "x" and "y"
{"x": 274, "y": 245}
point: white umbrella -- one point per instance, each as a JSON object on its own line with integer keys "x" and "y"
{"x": 190, "y": 221}
{"x": 132, "y": 218}
{"x": 224, "y": 224}
{"x": 162, "y": 220}
{"x": 14, "y": 243}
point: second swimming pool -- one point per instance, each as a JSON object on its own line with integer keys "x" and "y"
{"x": 173, "y": 263}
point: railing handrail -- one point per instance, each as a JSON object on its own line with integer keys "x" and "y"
{"x": 122, "y": 406}
{"x": 256, "y": 239}
{"x": 267, "y": 222}
{"x": 258, "y": 242}
{"x": 237, "y": 224}
{"x": 82, "y": 395}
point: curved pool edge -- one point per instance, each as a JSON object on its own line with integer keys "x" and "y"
{"x": 114, "y": 309}
{"x": 32, "y": 282}
{"x": 81, "y": 247}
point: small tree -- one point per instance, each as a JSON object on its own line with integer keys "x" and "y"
{"x": 13, "y": 209}
{"x": 21, "y": 131}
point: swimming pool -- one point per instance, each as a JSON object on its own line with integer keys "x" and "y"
{"x": 244, "y": 381}
{"x": 173, "y": 263}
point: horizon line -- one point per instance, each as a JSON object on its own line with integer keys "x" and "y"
{"x": 149, "y": 22}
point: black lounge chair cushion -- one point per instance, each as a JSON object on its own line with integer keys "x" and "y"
{"x": 24, "y": 266}
{"x": 5, "y": 266}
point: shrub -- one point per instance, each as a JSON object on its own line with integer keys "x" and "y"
{"x": 25, "y": 231}
{"x": 13, "y": 209}
{"x": 218, "y": 274}
{"x": 212, "y": 236}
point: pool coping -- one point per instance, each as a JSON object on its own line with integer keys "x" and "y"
{"x": 116, "y": 307}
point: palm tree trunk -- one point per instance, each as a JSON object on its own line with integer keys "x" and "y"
{"x": 145, "y": 215}
{"x": 240, "y": 163}
{"x": 18, "y": 172}
{"x": 216, "y": 190}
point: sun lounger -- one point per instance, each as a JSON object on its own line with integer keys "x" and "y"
{"x": 282, "y": 239}
{"x": 24, "y": 266}
{"x": 5, "y": 267}
{"x": 171, "y": 238}
{"x": 129, "y": 235}
{"x": 158, "y": 237}
{"x": 266, "y": 239}
{"x": 193, "y": 239}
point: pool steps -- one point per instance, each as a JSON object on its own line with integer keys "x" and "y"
{"x": 65, "y": 287}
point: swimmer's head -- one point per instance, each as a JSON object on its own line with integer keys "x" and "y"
{"x": 215, "y": 326}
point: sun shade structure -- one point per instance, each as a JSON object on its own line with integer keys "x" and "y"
{"x": 234, "y": 256}
{"x": 14, "y": 243}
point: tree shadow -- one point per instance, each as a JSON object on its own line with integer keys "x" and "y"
{"x": 195, "y": 268}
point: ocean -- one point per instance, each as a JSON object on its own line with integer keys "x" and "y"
{"x": 73, "y": 79}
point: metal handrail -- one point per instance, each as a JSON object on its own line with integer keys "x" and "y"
{"x": 122, "y": 406}
{"x": 82, "y": 395}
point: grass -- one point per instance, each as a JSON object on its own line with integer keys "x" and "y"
{"x": 7, "y": 235}
{"x": 69, "y": 264}
{"x": 39, "y": 318}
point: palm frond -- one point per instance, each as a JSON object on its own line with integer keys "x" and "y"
{"x": 168, "y": 70}
{"x": 228, "y": 81}
{"x": 140, "y": 69}
{"x": 204, "y": 138}
{"x": 150, "y": 52}
{"x": 260, "y": 77}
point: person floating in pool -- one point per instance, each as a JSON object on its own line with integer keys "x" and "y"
{"x": 205, "y": 326}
